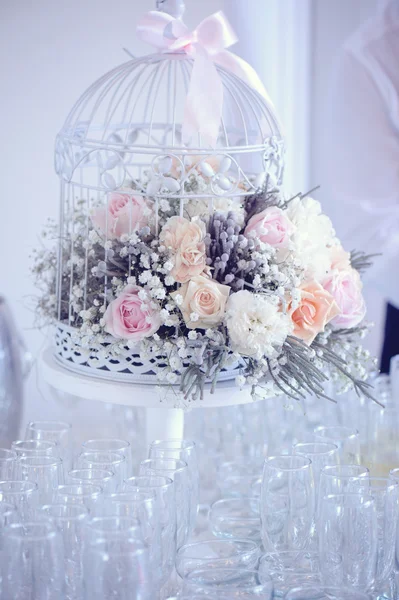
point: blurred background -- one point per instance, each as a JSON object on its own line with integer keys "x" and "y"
{"x": 50, "y": 53}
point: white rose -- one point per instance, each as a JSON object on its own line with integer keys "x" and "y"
{"x": 255, "y": 324}
{"x": 313, "y": 237}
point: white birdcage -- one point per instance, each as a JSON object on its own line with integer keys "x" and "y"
{"x": 124, "y": 136}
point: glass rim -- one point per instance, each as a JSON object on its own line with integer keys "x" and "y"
{"x": 267, "y": 578}
{"x": 282, "y": 553}
{"x": 126, "y": 443}
{"x": 15, "y": 530}
{"x": 353, "y": 432}
{"x": 109, "y": 474}
{"x": 91, "y": 489}
{"x": 184, "y": 444}
{"x": 112, "y": 496}
{"x": 167, "y": 483}
{"x": 251, "y": 546}
{"x": 183, "y": 464}
{"x": 132, "y": 524}
{"x": 49, "y": 443}
{"x": 112, "y": 457}
{"x": 326, "y": 470}
{"x": 31, "y": 486}
{"x": 80, "y": 509}
{"x": 269, "y": 462}
{"x": 232, "y": 501}
{"x": 349, "y": 496}
{"x": 351, "y": 593}
{"x": 56, "y": 426}
{"x": 42, "y": 461}
{"x": 10, "y": 455}
{"x": 332, "y": 447}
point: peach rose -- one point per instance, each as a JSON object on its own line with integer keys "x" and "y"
{"x": 124, "y": 213}
{"x": 346, "y": 288}
{"x": 206, "y": 299}
{"x": 126, "y": 319}
{"x": 185, "y": 240}
{"x": 317, "y": 307}
{"x": 271, "y": 226}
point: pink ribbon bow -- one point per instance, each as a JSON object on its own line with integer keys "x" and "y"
{"x": 207, "y": 45}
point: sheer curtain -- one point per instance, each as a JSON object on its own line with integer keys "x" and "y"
{"x": 275, "y": 37}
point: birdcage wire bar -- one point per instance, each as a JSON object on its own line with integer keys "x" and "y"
{"x": 121, "y": 129}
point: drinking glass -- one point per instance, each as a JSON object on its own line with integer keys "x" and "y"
{"x": 84, "y": 494}
{"x": 290, "y": 568}
{"x": 112, "y": 527}
{"x": 225, "y": 584}
{"x": 34, "y": 569}
{"x": 236, "y": 518}
{"x": 7, "y": 463}
{"x": 346, "y": 438}
{"x": 176, "y": 470}
{"x": 21, "y": 494}
{"x": 70, "y": 520}
{"x": 217, "y": 554}
{"x": 117, "y": 568}
{"x": 108, "y": 461}
{"x": 287, "y": 502}
{"x": 111, "y": 445}
{"x": 325, "y": 593}
{"x": 321, "y": 454}
{"x": 101, "y": 477}
{"x": 340, "y": 479}
{"x": 53, "y": 431}
{"x": 35, "y": 448}
{"x": 8, "y": 514}
{"x": 186, "y": 451}
{"x": 386, "y": 495}
{"x": 164, "y": 490}
{"x": 144, "y": 509}
{"x": 46, "y": 471}
{"x": 235, "y": 478}
{"x": 348, "y": 540}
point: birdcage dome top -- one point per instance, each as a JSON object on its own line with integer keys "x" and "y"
{"x": 139, "y": 107}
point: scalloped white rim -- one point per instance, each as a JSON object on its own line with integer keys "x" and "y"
{"x": 133, "y": 393}
{"x": 110, "y": 369}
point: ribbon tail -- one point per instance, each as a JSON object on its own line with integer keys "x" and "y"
{"x": 204, "y": 101}
{"x": 234, "y": 64}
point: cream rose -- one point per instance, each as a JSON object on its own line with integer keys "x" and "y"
{"x": 346, "y": 287}
{"x": 317, "y": 307}
{"x": 185, "y": 240}
{"x": 204, "y": 302}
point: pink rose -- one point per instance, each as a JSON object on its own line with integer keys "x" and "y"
{"x": 185, "y": 240}
{"x": 205, "y": 298}
{"x": 126, "y": 318}
{"x": 271, "y": 226}
{"x": 124, "y": 213}
{"x": 317, "y": 307}
{"x": 346, "y": 287}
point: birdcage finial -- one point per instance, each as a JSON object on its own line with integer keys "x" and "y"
{"x": 175, "y": 8}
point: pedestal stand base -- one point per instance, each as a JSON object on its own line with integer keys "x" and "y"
{"x": 164, "y": 420}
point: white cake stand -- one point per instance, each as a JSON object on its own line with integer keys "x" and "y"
{"x": 164, "y": 421}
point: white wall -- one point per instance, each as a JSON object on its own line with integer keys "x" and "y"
{"x": 50, "y": 53}
{"x": 333, "y": 23}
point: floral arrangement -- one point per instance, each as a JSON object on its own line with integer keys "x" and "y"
{"x": 259, "y": 281}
